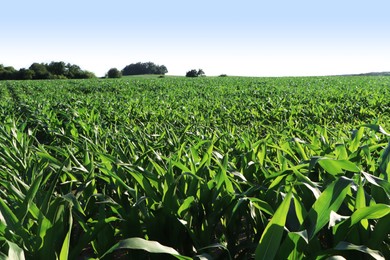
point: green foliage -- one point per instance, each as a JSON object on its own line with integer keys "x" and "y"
{"x": 142, "y": 68}
{"x": 216, "y": 168}
{"x": 114, "y": 73}
{"x": 40, "y": 71}
{"x": 195, "y": 73}
{"x": 26, "y": 74}
{"x": 54, "y": 70}
{"x": 7, "y": 73}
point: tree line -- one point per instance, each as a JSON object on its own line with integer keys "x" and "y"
{"x": 139, "y": 68}
{"x": 62, "y": 70}
{"x": 52, "y": 70}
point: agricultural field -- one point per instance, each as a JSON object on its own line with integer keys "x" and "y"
{"x": 204, "y": 168}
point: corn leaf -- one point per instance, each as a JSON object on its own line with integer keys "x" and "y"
{"x": 15, "y": 252}
{"x": 335, "y": 167}
{"x": 349, "y": 246}
{"x": 271, "y": 238}
{"x": 149, "y": 246}
{"x": 371, "y": 212}
{"x": 330, "y": 200}
{"x": 66, "y": 244}
{"x": 379, "y": 182}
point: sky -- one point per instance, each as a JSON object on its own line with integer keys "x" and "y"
{"x": 245, "y": 38}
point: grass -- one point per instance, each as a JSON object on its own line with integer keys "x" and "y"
{"x": 215, "y": 168}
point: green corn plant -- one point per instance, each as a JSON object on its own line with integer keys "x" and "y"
{"x": 217, "y": 168}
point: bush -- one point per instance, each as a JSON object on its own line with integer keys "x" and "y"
{"x": 142, "y": 68}
{"x": 26, "y": 74}
{"x": 195, "y": 73}
{"x": 192, "y": 74}
{"x": 114, "y": 73}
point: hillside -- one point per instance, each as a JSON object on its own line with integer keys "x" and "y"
{"x": 385, "y": 73}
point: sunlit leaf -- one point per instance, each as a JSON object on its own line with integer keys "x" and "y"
{"x": 348, "y": 246}
{"x": 272, "y": 235}
{"x": 142, "y": 244}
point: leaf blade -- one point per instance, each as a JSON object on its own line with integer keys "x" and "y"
{"x": 272, "y": 235}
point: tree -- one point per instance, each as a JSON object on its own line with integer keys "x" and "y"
{"x": 162, "y": 70}
{"x": 57, "y": 68}
{"x": 72, "y": 71}
{"x": 8, "y": 73}
{"x": 192, "y": 74}
{"x": 195, "y": 73}
{"x": 40, "y": 71}
{"x": 54, "y": 70}
{"x": 114, "y": 73}
{"x": 200, "y": 72}
{"x": 140, "y": 68}
{"x": 75, "y": 72}
{"x": 85, "y": 74}
{"x": 26, "y": 74}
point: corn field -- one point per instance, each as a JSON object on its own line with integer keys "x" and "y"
{"x": 205, "y": 168}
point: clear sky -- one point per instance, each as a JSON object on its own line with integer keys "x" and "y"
{"x": 248, "y": 38}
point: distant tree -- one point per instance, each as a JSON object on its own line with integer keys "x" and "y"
{"x": 54, "y": 70}
{"x": 133, "y": 69}
{"x": 192, "y": 73}
{"x": 26, "y": 74}
{"x": 73, "y": 71}
{"x": 114, "y": 73}
{"x": 200, "y": 72}
{"x": 57, "y": 68}
{"x": 40, "y": 71}
{"x": 140, "y": 68}
{"x": 195, "y": 73}
{"x": 85, "y": 74}
{"x": 150, "y": 68}
{"x": 8, "y": 73}
{"x": 162, "y": 70}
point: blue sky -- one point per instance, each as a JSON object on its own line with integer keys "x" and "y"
{"x": 249, "y": 38}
